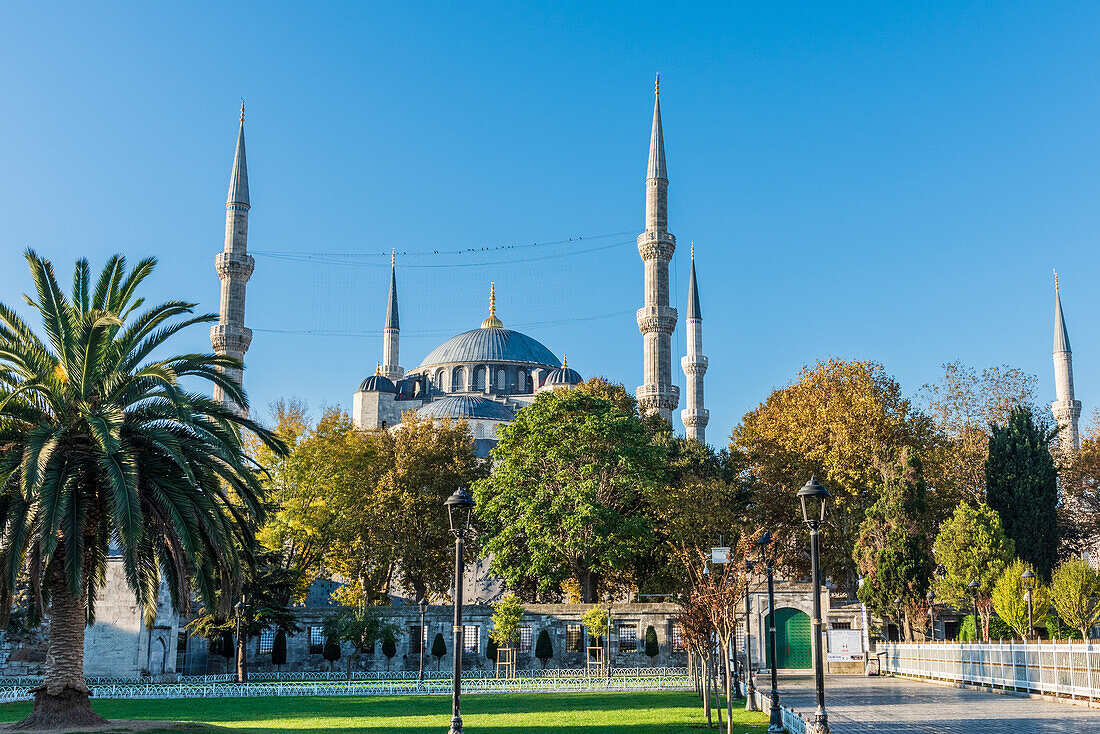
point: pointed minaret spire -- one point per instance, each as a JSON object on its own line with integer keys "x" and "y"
{"x": 391, "y": 333}
{"x": 1067, "y": 410}
{"x": 234, "y": 266}
{"x": 694, "y": 416}
{"x": 657, "y": 319}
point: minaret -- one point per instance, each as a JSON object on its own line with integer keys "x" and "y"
{"x": 234, "y": 265}
{"x": 656, "y": 319}
{"x": 694, "y": 416}
{"x": 392, "y": 332}
{"x": 1067, "y": 411}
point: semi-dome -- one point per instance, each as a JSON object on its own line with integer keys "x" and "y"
{"x": 377, "y": 383}
{"x": 492, "y": 344}
{"x": 562, "y": 376}
{"x": 466, "y": 406}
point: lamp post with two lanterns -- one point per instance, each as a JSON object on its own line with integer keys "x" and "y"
{"x": 1028, "y": 578}
{"x": 815, "y": 500}
{"x": 460, "y": 506}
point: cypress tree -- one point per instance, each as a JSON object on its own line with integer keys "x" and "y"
{"x": 490, "y": 651}
{"x": 278, "y": 650}
{"x": 331, "y": 650}
{"x": 439, "y": 649}
{"x": 651, "y": 648}
{"x": 1021, "y": 484}
{"x": 544, "y": 648}
{"x": 389, "y": 647}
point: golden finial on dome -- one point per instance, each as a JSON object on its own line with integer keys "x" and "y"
{"x": 565, "y": 361}
{"x": 377, "y": 368}
{"x": 492, "y": 322}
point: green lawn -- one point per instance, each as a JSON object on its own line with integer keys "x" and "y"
{"x": 666, "y": 712}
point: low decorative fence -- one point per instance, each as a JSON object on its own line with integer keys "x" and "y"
{"x": 392, "y": 687}
{"x": 792, "y": 720}
{"x": 1064, "y": 669}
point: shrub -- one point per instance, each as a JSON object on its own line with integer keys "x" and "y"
{"x": 278, "y": 650}
{"x": 1075, "y": 592}
{"x": 389, "y": 646}
{"x": 331, "y": 651}
{"x": 439, "y": 649}
{"x": 544, "y": 648}
{"x": 490, "y": 650}
{"x": 652, "y": 649}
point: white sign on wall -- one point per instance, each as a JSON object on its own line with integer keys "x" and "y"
{"x": 845, "y": 646}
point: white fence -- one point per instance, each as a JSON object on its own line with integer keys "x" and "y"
{"x": 792, "y": 721}
{"x": 1059, "y": 668}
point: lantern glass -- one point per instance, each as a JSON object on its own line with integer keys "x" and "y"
{"x": 815, "y": 499}
{"x": 1028, "y": 578}
{"x": 460, "y": 506}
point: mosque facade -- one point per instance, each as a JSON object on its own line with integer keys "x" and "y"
{"x": 486, "y": 375}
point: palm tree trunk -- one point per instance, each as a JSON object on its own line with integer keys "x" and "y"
{"x": 62, "y": 699}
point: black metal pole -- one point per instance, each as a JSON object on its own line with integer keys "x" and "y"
{"x": 821, "y": 719}
{"x": 750, "y": 689}
{"x": 977, "y": 622}
{"x": 456, "y": 715}
{"x": 1030, "y": 622}
{"x": 607, "y": 665}
{"x": 775, "y": 718}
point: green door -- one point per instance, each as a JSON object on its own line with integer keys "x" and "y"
{"x": 792, "y": 639}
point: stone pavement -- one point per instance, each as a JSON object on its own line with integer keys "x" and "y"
{"x": 857, "y": 705}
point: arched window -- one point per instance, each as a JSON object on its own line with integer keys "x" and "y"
{"x": 479, "y": 378}
{"x": 479, "y": 430}
{"x": 502, "y": 381}
{"x": 440, "y": 376}
{"x": 458, "y": 379}
{"x": 521, "y": 381}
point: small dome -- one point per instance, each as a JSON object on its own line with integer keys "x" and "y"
{"x": 466, "y": 406}
{"x": 377, "y": 383}
{"x": 562, "y": 376}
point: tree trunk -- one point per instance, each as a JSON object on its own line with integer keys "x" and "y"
{"x": 62, "y": 699}
{"x": 242, "y": 662}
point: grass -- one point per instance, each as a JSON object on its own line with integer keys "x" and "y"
{"x": 664, "y": 712}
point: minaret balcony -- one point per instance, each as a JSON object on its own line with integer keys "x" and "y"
{"x": 230, "y": 338}
{"x": 694, "y": 364}
{"x": 659, "y": 319}
{"x": 658, "y": 396}
{"x": 695, "y": 418}
{"x": 656, "y": 245}
{"x": 234, "y": 265}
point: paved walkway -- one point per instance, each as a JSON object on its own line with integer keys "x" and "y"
{"x": 857, "y": 705}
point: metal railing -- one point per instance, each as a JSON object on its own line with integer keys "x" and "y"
{"x": 1052, "y": 668}
{"x": 792, "y": 720}
{"x": 392, "y": 687}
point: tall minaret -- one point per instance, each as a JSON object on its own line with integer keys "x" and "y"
{"x": 656, "y": 319}
{"x": 1067, "y": 411}
{"x": 694, "y": 416}
{"x": 234, "y": 265}
{"x": 392, "y": 332}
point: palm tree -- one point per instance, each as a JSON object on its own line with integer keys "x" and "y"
{"x": 102, "y": 445}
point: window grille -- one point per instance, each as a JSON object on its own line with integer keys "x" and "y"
{"x": 316, "y": 639}
{"x": 416, "y": 632}
{"x": 267, "y": 640}
{"x": 525, "y": 638}
{"x": 628, "y": 637}
{"x": 471, "y": 638}
{"x": 574, "y": 638}
{"x": 678, "y": 639}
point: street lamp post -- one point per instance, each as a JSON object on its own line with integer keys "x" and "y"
{"x": 775, "y": 718}
{"x": 1028, "y": 577}
{"x": 815, "y": 499}
{"x": 460, "y": 507}
{"x": 931, "y": 615}
{"x": 750, "y": 688}
{"x": 974, "y": 588}
{"x": 423, "y": 604}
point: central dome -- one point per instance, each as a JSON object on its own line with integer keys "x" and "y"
{"x": 492, "y": 344}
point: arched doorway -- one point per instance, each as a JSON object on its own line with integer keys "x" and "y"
{"x": 792, "y": 639}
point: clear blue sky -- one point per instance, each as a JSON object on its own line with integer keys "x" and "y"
{"x": 882, "y": 181}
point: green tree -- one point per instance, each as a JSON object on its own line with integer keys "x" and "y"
{"x": 439, "y": 649}
{"x": 1009, "y": 600}
{"x": 278, "y": 650}
{"x": 544, "y": 648}
{"x": 567, "y": 496}
{"x": 359, "y": 626}
{"x": 491, "y": 648}
{"x": 596, "y": 621}
{"x": 893, "y": 550}
{"x": 839, "y": 421}
{"x": 652, "y": 649}
{"x": 267, "y": 589}
{"x": 331, "y": 651}
{"x": 1075, "y": 593}
{"x": 507, "y": 616}
{"x": 389, "y": 646}
{"x": 971, "y": 546}
{"x": 1022, "y": 486}
{"x": 390, "y": 523}
{"x": 101, "y": 442}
